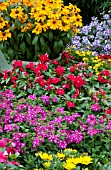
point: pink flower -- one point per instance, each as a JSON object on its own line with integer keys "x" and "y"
{"x": 3, "y": 158}
{"x": 2, "y": 143}
{"x": 95, "y": 107}
{"x": 14, "y": 163}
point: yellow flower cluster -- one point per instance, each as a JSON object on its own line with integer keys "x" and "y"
{"x": 68, "y": 159}
{"x": 40, "y": 16}
{"x": 94, "y": 62}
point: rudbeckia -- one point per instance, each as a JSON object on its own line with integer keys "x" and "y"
{"x": 4, "y": 35}
{"x": 16, "y": 12}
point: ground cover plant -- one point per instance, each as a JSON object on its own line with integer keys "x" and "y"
{"x": 56, "y": 114}
{"x": 51, "y": 106}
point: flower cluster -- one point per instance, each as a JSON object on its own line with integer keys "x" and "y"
{"x": 96, "y": 36}
{"x": 40, "y": 26}
{"x": 68, "y": 159}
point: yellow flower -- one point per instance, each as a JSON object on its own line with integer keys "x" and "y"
{"x": 85, "y": 59}
{"x": 61, "y": 156}
{"x": 46, "y": 156}
{"x": 53, "y": 23}
{"x": 23, "y": 18}
{"x": 37, "y": 29}
{"x": 78, "y": 22}
{"x": 16, "y": 12}
{"x": 47, "y": 164}
{"x": 3, "y": 23}
{"x": 4, "y": 35}
{"x": 85, "y": 160}
{"x": 69, "y": 166}
{"x": 3, "y": 6}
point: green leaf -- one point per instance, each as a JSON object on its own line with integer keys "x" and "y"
{"x": 50, "y": 36}
{"x": 35, "y": 40}
{"x": 28, "y": 39}
{"x": 60, "y": 43}
{"x": 17, "y": 24}
{"x": 42, "y": 41}
{"x": 30, "y": 90}
{"x": 22, "y": 47}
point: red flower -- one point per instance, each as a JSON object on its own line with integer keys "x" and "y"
{"x": 76, "y": 94}
{"x": 101, "y": 79}
{"x": 13, "y": 79}
{"x": 42, "y": 67}
{"x": 11, "y": 150}
{"x": 72, "y": 68}
{"x": 17, "y": 63}
{"x": 50, "y": 87}
{"x": 49, "y": 81}
{"x": 37, "y": 71}
{"x": 66, "y": 86}
{"x": 70, "y": 104}
{"x": 71, "y": 77}
{"x": 105, "y": 72}
{"x": 54, "y": 62}
{"x": 42, "y": 82}
{"x": 5, "y": 74}
{"x": 44, "y": 58}
{"x": 14, "y": 85}
{"x": 60, "y": 91}
{"x": 108, "y": 111}
{"x": 3, "y": 158}
{"x": 55, "y": 80}
{"x": 30, "y": 66}
{"x": 21, "y": 69}
{"x": 25, "y": 74}
{"x": 59, "y": 70}
{"x": 78, "y": 82}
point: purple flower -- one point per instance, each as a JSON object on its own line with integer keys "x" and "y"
{"x": 92, "y": 131}
{"x": 60, "y": 109}
{"x": 33, "y": 97}
{"x": 106, "y": 16}
{"x": 95, "y": 107}
{"x": 45, "y": 99}
{"x": 91, "y": 119}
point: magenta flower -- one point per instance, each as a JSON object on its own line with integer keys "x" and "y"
{"x": 95, "y": 107}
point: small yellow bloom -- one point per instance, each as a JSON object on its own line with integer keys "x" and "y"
{"x": 85, "y": 160}
{"x": 69, "y": 166}
{"x": 47, "y": 164}
{"x": 61, "y": 156}
{"x": 46, "y": 156}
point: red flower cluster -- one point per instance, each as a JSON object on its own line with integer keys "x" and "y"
{"x": 44, "y": 58}
{"x": 104, "y": 76}
{"x": 59, "y": 70}
{"x": 60, "y": 91}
